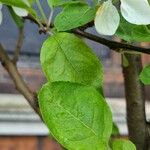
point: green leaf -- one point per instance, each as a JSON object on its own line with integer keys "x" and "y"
{"x": 95, "y": 2}
{"x": 107, "y": 19}
{"x": 123, "y": 145}
{"x": 31, "y": 1}
{"x": 133, "y": 33}
{"x": 115, "y": 130}
{"x": 73, "y": 16}
{"x": 145, "y": 75}
{"x": 20, "y": 4}
{"x": 65, "y": 57}
{"x": 21, "y": 11}
{"x": 77, "y": 115}
{"x": 136, "y": 11}
{"x": 18, "y": 20}
{"x": 54, "y": 3}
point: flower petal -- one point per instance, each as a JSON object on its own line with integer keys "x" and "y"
{"x": 136, "y": 11}
{"x": 107, "y": 19}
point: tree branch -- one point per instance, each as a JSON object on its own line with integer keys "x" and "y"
{"x": 21, "y": 86}
{"x": 148, "y": 128}
{"x": 114, "y": 45}
{"x": 135, "y": 99}
{"x": 18, "y": 45}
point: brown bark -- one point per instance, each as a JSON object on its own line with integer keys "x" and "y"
{"x": 18, "y": 45}
{"x": 134, "y": 92}
{"x": 21, "y": 86}
{"x": 114, "y": 45}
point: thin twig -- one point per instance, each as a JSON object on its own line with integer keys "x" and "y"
{"x": 148, "y": 128}
{"x": 30, "y": 18}
{"x": 41, "y": 10}
{"x": 50, "y": 18}
{"x": 116, "y": 46}
{"x": 49, "y": 22}
{"x": 21, "y": 86}
{"x": 18, "y": 45}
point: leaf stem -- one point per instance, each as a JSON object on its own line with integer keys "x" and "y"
{"x": 41, "y": 10}
{"x": 50, "y": 18}
{"x": 49, "y": 22}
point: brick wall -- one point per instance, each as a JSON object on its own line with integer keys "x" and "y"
{"x": 113, "y": 79}
{"x": 28, "y": 143}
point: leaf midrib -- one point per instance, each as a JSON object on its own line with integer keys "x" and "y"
{"x": 66, "y": 57}
{"x": 76, "y": 119}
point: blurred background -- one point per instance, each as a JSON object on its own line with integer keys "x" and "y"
{"x": 20, "y": 127}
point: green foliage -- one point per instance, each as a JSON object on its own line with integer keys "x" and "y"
{"x": 115, "y": 130}
{"x": 18, "y": 20}
{"x": 77, "y": 115}
{"x": 65, "y": 57}
{"x": 54, "y": 3}
{"x": 95, "y": 2}
{"x": 31, "y": 1}
{"x": 123, "y": 145}
{"x": 133, "y": 33}
{"x": 73, "y": 16}
{"x": 72, "y": 102}
{"x": 107, "y": 18}
{"x": 20, "y": 4}
{"x": 145, "y": 75}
